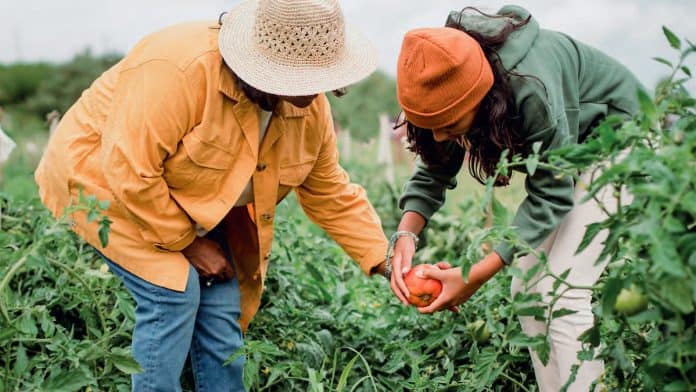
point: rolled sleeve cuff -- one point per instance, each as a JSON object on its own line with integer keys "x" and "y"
{"x": 372, "y": 259}
{"x": 419, "y": 206}
{"x": 505, "y": 251}
{"x": 178, "y": 244}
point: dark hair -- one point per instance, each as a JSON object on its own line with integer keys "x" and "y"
{"x": 497, "y": 124}
{"x": 268, "y": 101}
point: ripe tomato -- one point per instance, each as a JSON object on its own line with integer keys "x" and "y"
{"x": 630, "y": 301}
{"x": 422, "y": 291}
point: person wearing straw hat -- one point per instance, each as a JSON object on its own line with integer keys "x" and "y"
{"x": 489, "y": 83}
{"x": 194, "y": 137}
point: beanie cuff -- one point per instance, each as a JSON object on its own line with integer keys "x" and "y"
{"x": 469, "y": 101}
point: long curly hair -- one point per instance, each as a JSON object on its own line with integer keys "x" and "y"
{"x": 497, "y": 125}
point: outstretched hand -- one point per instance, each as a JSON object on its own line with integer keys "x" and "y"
{"x": 455, "y": 290}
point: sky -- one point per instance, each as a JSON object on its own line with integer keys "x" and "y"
{"x": 629, "y": 30}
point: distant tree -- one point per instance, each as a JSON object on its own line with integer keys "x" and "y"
{"x": 20, "y": 81}
{"x": 60, "y": 89}
{"x": 358, "y": 111}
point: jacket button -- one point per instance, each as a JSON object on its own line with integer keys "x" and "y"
{"x": 266, "y": 217}
{"x": 261, "y": 166}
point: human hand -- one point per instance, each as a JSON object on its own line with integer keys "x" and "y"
{"x": 455, "y": 290}
{"x": 404, "y": 249}
{"x": 208, "y": 258}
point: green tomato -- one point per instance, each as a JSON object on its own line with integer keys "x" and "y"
{"x": 630, "y": 301}
{"x": 479, "y": 331}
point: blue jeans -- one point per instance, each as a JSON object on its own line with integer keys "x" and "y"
{"x": 202, "y": 322}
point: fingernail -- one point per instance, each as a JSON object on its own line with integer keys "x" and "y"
{"x": 404, "y": 270}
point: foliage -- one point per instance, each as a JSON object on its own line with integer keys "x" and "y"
{"x": 20, "y": 81}
{"x": 359, "y": 110}
{"x": 324, "y": 326}
{"x": 651, "y": 243}
{"x": 65, "y": 322}
{"x": 67, "y": 82}
{"x": 41, "y": 88}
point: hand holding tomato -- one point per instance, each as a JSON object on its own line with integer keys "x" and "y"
{"x": 422, "y": 291}
{"x": 455, "y": 290}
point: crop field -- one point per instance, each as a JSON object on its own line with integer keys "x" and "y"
{"x": 66, "y": 321}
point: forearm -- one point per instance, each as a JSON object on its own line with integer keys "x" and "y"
{"x": 412, "y": 221}
{"x": 485, "y": 269}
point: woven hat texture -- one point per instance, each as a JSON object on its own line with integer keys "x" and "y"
{"x": 294, "y": 47}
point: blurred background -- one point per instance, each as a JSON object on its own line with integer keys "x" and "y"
{"x": 51, "y": 51}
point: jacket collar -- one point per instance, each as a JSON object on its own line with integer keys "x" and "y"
{"x": 228, "y": 87}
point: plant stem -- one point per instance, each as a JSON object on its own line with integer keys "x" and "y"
{"x": 77, "y": 277}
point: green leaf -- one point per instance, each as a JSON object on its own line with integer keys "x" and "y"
{"x": 104, "y": 230}
{"x": 104, "y": 204}
{"x": 678, "y": 294}
{"x": 647, "y": 106}
{"x": 562, "y": 312}
{"x": 591, "y": 336}
{"x": 67, "y": 381}
{"x": 590, "y": 233}
{"x": 557, "y": 283}
{"x": 677, "y": 386}
{"x": 21, "y": 361}
{"x": 663, "y": 61}
{"x": 125, "y": 363}
{"x": 92, "y": 215}
{"x": 343, "y": 379}
{"x": 672, "y": 38}
{"x": 500, "y": 213}
{"x": 611, "y": 290}
{"x": 536, "y": 311}
{"x": 686, "y": 70}
{"x": 665, "y": 257}
{"x": 531, "y": 164}
{"x": 27, "y": 325}
{"x": 536, "y": 147}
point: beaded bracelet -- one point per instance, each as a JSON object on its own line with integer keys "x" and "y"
{"x": 390, "y": 249}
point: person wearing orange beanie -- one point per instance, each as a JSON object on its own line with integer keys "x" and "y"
{"x": 488, "y": 83}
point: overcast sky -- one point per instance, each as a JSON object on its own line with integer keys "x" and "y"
{"x": 630, "y": 30}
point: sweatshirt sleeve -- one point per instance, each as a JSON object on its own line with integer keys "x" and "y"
{"x": 424, "y": 193}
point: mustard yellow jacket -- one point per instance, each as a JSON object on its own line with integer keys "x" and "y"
{"x": 171, "y": 141}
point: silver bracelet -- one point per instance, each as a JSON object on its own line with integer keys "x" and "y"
{"x": 390, "y": 249}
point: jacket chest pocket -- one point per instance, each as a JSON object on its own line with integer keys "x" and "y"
{"x": 198, "y": 165}
{"x": 291, "y": 176}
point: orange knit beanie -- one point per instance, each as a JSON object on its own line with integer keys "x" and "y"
{"x": 442, "y": 74}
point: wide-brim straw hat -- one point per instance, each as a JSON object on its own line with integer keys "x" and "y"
{"x": 294, "y": 47}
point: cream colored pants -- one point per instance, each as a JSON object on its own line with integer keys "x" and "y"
{"x": 560, "y": 249}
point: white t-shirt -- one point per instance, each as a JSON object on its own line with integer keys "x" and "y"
{"x": 247, "y": 195}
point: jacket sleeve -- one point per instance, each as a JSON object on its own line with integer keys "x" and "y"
{"x": 340, "y": 207}
{"x": 152, "y": 110}
{"x": 549, "y": 196}
{"x": 424, "y": 192}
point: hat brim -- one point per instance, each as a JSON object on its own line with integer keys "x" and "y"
{"x": 236, "y": 42}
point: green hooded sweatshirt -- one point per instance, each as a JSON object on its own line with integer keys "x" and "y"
{"x": 573, "y": 86}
